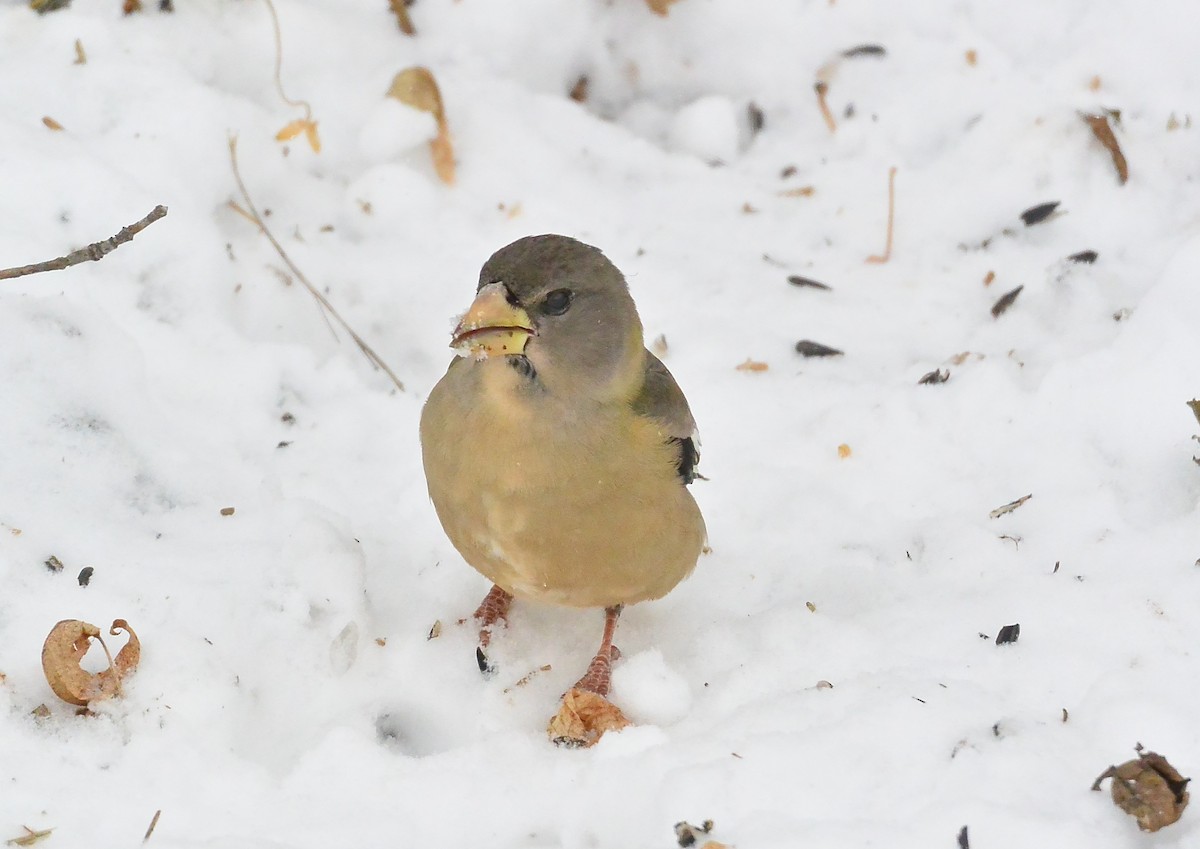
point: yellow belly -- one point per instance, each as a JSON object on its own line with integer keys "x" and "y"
{"x": 584, "y": 510}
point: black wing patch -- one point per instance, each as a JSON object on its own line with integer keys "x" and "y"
{"x": 689, "y": 456}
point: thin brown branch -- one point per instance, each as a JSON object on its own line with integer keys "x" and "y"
{"x": 368, "y": 352}
{"x": 887, "y": 249}
{"x": 153, "y": 825}
{"x": 279, "y": 65}
{"x": 92, "y": 253}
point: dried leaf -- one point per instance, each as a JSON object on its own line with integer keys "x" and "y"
{"x": 1149, "y": 789}
{"x": 1009, "y": 507}
{"x": 131, "y": 6}
{"x": 80, "y": 56}
{"x": 583, "y": 719}
{"x": 52, "y": 124}
{"x": 1084, "y": 256}
{"x": 972, "y": 58}
{"x": 1001, "y": 306}
{"x": 964, "y": 842}
{"x": 809, "y": 348}
{"x": 1195, "y": 405}
{"x": 417, "y": 88}
{"x": 988, "y": 278}
{"x": 844, "y": 451}
{"x": 291, "y": 130}
{"x": 1104, "y": 134}
{"x": 85, "y": 575}
{"x": 65, "y": 646}
{"x": 660, "y": 7}
{"x": 798, "y": 192}
{"x": 934, "y": 377}
{"x": 752, "y": 365}
{"x": 54, "y": 564}
{"x": 310, "y": 133}
{"x": 1039, "y": 213}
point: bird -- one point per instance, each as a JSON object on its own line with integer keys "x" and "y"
{"x": 557, "y": 449}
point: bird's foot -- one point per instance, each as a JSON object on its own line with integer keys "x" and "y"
{"x": 492, "y": 610}
{"x": 598, "y": 678}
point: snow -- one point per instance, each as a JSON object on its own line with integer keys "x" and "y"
{"x": 288, "y": 694}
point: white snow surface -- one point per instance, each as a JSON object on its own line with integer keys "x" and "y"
{"x": 288, "y": 695}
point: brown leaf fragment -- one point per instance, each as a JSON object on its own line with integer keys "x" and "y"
{"x": 65, "y": 646}
{"x": 1008, "y": 634}
{"x": 1195, "y": 405}
{"x": 579, "y": 91}
{"x": 1009, "y": 507}
{"x": 1147, "y": 788}
{"x": 29, "y": 838}
{"x": 934, "y": 377}
{"x": 54, "y": 564}
{"x": 806, "y": 282}
{"x": 310, "y": 133}
{"x": 1104, "y": 134}
{"x": 400, "y": 10}
{"x": 865, "y": 50}
{"x": 660, "y": 7}
{"x": 52, "y": 124}
{"x": 80, "y": 56}
{"x": 752, "y": 365}
{"x": 290, "y": 130}
{"x": 988, "y": 278}
{"x": 809, "y": 348}
{"x": 131, "y": 6}
{"x": 798, "y": 192}
{"x": 435, "y": 631}
{"x": 1006, "y": 300}
{"x": 40, "y": 712}
{"x": 1039, "y": 213}
{"x": 844, "y": 451}
{"x": 228, "y": 511}
{"x": 417, "y": 88}
{"x": 1087, "y": 257}
{"x": 972, "y": 58}
{"x": 583, "y": 719}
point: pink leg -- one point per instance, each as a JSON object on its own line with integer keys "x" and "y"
{"x": 493, "y": 609}
{"x": 598, "y": 678}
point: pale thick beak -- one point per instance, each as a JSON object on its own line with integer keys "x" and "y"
{"x": 492, "y": 326}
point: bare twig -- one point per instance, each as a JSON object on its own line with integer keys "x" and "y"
{"x": 368, "y": 352}
{"x": 153, "y": 824}
{"x": 93, "y": 252}
{"x": 279, "y": 65}
{"x": 887, "y": 249}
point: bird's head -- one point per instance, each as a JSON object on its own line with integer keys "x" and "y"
{"x": 562, "y": 305}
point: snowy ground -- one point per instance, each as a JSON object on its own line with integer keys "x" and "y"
{"x": 288, "y": 695}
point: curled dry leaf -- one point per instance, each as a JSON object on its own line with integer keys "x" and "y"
{"x": 301, "y": 125}
{"x": 1149, "y": 789}
{"x": 65, "y": 646}
{"x": 1104, "y": 134}
{"x": 417, "y": 88}
{"x": 583, "y": 719}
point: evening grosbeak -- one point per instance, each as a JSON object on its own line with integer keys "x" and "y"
{"x": 557, "y": 449}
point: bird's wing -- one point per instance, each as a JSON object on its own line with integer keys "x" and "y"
{"x": 661, "y": 399}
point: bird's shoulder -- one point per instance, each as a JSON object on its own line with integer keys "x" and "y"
{"x": 661, "y": 400}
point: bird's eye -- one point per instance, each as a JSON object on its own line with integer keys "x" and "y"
{"x": 557, "y": 302}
